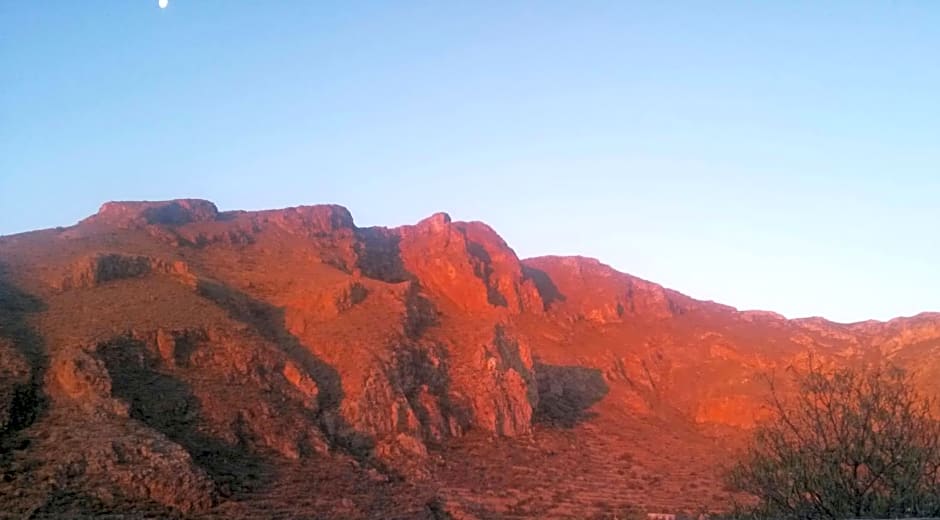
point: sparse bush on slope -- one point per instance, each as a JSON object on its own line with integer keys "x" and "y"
{"x": 856, "y": 442}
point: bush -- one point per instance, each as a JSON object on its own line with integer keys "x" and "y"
{"x": 856, "y": 442}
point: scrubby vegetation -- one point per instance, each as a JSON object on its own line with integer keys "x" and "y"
{"x": 854, "y": 442}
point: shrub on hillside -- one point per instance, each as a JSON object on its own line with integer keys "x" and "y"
{"x": 856, "y": 442}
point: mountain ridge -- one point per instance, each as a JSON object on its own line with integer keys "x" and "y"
{"x": 196, "y": 210}
{"x": 392, "y": 357}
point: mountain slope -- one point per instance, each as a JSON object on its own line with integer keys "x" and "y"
{"x": 165, "y": 357}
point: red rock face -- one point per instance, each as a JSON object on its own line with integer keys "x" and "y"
{"x": 467, "y": 264}
{"x": 500, "y": 269}
{"x": 194, "y": 360}
{"x": 436, "y": 253}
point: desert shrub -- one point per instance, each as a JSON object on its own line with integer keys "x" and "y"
{"x": 854, "y": 442}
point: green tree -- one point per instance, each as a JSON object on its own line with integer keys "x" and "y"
{"x": 855, "y": 442}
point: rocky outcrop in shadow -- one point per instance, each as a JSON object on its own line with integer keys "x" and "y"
{"x": 167, "y": 404}
{"x": 544, "y": 284}
{"x": 483, "y": 268}
{"x": 101, "y": 268}
{"x": 378, "y": 252}
{"x": 422, "y": 375}
{"x": 268, "y": 321}
{"x": 89, "y": 444}
{"x": 22, "y": 360}
{"x": 566, "y": 393}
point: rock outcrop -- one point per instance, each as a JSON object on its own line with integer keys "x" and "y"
{"x": 100, "y": 268}
{"x": 94, "y": 445}
{"x": 167, "y": 213}
{"x": 465, "y": 263}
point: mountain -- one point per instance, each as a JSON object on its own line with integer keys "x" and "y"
{"x": 166, "y": 358}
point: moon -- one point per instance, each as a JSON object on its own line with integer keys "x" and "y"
{"x": 163, "y": 3}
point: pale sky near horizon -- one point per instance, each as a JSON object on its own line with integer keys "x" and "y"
{"x": 767, "y": 155}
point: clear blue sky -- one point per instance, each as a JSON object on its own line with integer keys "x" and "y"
{"x": 772, "y": 155}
